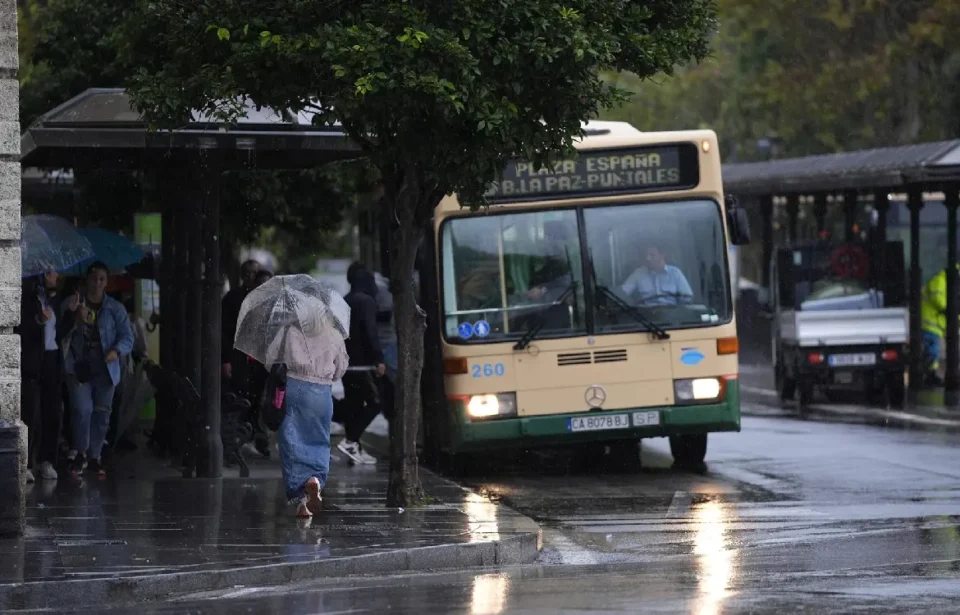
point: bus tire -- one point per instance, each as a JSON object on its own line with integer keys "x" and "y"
{"x": 896, "y": 390}
{"x": 689, "y": 451}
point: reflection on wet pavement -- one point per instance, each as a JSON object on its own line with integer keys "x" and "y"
{"x": 159, "y": 523}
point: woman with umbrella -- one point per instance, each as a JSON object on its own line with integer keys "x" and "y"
{"x": 297, "y": 327}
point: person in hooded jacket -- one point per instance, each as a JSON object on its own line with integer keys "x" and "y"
{"x": 360, "y": 403}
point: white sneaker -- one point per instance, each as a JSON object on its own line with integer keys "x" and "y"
{"x": 366, "y": 458}
{"x": 47, "y": 472}
{"x": 350, "y": 449}
{"x": 28, "y": 475}
{"x": 336, "y": 429}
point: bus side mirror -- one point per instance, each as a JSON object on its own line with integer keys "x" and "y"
{"x": 737, "y": 222}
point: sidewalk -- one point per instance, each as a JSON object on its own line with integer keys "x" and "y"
{"x": 925, "y": 412}
{"x": 145, "y": 534}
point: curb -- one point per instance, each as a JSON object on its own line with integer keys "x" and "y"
{"x": 518, "y": 549}
{"x": 876, "y": 417}
{"x": 514, "y": 549}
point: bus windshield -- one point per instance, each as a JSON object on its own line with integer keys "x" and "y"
{"x": 668, "y": 260}
{"x": 505, "y": 274}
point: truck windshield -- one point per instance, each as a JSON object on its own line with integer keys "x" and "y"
{"x": 667, "y": 259}
{"x": 505, "y": 274}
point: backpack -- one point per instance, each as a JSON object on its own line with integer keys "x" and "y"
{"x": 274, "y": 406}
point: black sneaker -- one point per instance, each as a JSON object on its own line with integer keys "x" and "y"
{"x": 96, "y": 467}
{"x": 78, "y": 465}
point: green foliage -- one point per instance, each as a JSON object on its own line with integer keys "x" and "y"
{"x": 68, "y": 46}
{"x": 439, "y": 93}
{"x": 823, "y": 75}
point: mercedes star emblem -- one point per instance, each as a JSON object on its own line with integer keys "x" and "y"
{"x": 595, "y": 396}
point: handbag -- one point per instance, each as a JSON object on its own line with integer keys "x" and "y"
{"x": 273, "y": 409}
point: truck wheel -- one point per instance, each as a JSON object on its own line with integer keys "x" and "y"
{"x": 689, "y": 451}
{"x": 786, "y": 386}
{"x": 896, "y": 391}
{"x": 804, "y": 396}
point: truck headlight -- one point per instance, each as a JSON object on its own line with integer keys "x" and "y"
{"x": 697, "y": 390}
{"x": 492, "y": 405}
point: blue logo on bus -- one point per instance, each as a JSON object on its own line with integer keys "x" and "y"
{"x": 691, "y": 356}
{"x": 465, "y": 330}
{"x": 481, "y": 329}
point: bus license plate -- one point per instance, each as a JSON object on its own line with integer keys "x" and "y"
{"x": 599, "y": 422}
{"x": 645, "y": 419}
{"x": 846, "y": 360}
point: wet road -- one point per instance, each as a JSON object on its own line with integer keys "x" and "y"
{"x": 791, "y": 515}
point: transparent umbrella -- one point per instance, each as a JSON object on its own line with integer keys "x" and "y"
{"x": 292, "y": 319}
{"x": 50, "y": 243}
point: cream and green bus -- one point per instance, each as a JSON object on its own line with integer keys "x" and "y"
{"x": 590, "y": 304}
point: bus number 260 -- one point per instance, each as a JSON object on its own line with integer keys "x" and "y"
{"x": 488, "y": 369}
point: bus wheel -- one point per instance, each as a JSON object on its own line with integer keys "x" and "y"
{"x": 689, "y": 451}
{"x": 455, "y": 464}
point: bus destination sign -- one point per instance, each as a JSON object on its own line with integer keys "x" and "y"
{"x": 660, "y": 167}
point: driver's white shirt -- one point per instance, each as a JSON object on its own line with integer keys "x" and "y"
{"x": 667, "y": 287}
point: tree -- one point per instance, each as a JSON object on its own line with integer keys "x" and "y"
{"x": 438, "y": 94}
{"x": 68, "y": 46}
{"x": 823, "y": 75}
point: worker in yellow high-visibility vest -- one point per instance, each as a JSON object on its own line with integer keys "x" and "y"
{"x": 933, "y": 317}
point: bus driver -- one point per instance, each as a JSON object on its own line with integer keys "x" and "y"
{"x": 658, "y": 283}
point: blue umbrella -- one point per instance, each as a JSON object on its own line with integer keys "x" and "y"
{"x": 51, "y": 243}
{"x": 112, "y": 249}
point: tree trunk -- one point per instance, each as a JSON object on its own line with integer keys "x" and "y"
{"x": 404, "y": 486}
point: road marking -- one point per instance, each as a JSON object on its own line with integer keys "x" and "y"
{"x": 679, "y": 504}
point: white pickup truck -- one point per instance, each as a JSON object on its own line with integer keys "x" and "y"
{"x": 841, "y": 335}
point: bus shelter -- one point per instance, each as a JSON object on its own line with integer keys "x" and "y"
{"x": 852, "y": 183}
{"x": 99, "y": 129}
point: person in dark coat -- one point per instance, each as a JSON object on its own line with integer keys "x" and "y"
{"x": 41, "y": 408}
{"x": 361, "y": 402}
{"x": 234, "y": 361}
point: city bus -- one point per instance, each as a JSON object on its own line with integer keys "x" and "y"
{"x": 589, "y": 304}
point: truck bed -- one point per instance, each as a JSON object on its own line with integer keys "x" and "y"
{"x": 845, "y": 327}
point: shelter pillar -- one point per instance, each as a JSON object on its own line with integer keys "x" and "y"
{"x": 793, "y": 213}
{"x": 766, "y": 217}
{"x": 881, "y": 203}
{"x": 820, "y": 212}
{"x": 181, "y": 284}
{"x": 194, "y": 311}
{"x": 915, "y": 203}
{"x": 210, "y": 462}
{"x": 849, "y": 214}
{"x": 951, "y": 395}
{"x": 164, "y": 426}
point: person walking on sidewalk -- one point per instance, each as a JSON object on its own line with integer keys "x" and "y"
{"x": 100, "y": 337}
{"x": 361, "y": 402}
{"x": 41, "y": 408}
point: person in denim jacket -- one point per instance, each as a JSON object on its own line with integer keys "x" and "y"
{"x": 101, "y": 335}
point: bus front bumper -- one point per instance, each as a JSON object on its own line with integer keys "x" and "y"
{"x": 554, "y": 430}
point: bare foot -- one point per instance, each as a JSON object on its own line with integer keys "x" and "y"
{"x": 314, "y": 501}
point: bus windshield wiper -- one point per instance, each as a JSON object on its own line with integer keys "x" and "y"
{"x": 637, "y": 315}
{"x": 541, "y": 320}
{"x": 633, "y": 311}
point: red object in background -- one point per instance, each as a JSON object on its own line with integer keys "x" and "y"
{"x": 121, "y": 284}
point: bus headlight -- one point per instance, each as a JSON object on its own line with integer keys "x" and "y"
{"x": 492, "y": 405}
{"x": 697, "y": 390}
